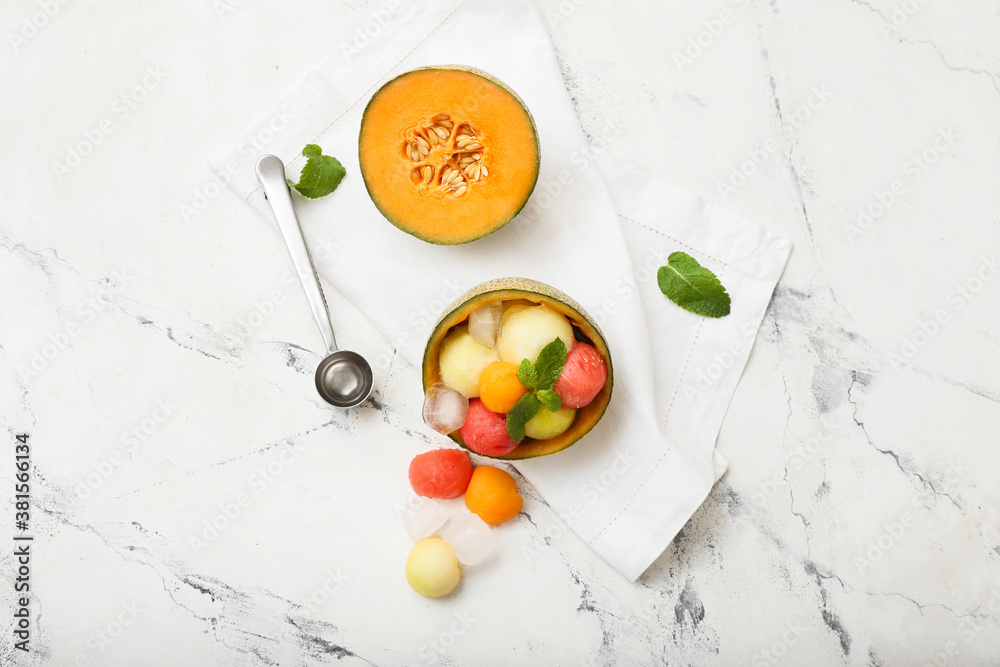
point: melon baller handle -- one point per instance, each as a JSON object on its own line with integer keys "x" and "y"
{"x": 271, "y": 174}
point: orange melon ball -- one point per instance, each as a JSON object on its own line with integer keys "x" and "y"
{"x": 499, "y": 388}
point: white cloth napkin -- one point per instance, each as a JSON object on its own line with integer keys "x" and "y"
{"x": 594, "y": 228}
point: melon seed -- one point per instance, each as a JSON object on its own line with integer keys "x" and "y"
{"x": 459, "y": 163}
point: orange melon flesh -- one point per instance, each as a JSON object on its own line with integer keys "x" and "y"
{"x": 469, "y": 98}
{"x": 511, "y": 289}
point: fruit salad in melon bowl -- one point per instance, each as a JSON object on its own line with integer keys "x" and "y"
{"x": 515, "y": 369}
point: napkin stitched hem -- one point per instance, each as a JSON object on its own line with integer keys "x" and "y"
{"x": 673, "y": 513}
{"x": 673, "y": 398}
{"x": 678, "y": 241}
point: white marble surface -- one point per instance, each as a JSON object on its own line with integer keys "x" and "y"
{"x": 163, "y": 355}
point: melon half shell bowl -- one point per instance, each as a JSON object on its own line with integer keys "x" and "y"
{"x": 512, "y": 291}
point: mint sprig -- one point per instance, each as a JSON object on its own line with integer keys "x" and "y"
{"x": 539, "y": 378}
{"x": 693, "y": 287}
{"x": 527, "y": 374}
{"x": 550, "y": 363}
{"x": 321, "y": 174}
{"x": 550, "y": 399}
{"x": 522, "y": 412}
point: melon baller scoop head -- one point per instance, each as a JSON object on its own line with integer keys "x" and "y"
{"x": 343, "y": 378}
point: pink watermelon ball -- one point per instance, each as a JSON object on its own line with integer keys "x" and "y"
{"x": 485, "y": 431}
{"x": 582, "y": 377}
{"x": 441, "y": 473}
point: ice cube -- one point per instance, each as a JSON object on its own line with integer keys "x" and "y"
{"x": 444, "y": 409}
{"x": 470, "y": 537}
{"x": 484, "y": 323}
{"x": 421, "y": 517}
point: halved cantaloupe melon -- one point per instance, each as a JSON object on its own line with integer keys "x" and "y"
{"x": 448, "y": 154}
{"x": 525, "y": 291}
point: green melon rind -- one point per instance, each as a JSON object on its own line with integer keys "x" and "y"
{"x": 520, "y": 288}
{"x": 492, "y": 79}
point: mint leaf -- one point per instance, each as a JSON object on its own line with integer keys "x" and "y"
{"x": 527, "y": 374}
{"x": 693, "y": 287}
{"x": 550, "y": 399}
{"x": 320, "y": 176}
{"x": 522, "y": 412}
{"x": 550, "y": 363}
{"x": 538, "y": 378}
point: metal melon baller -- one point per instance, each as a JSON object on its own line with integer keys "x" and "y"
{"x": 343, "y": 378}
